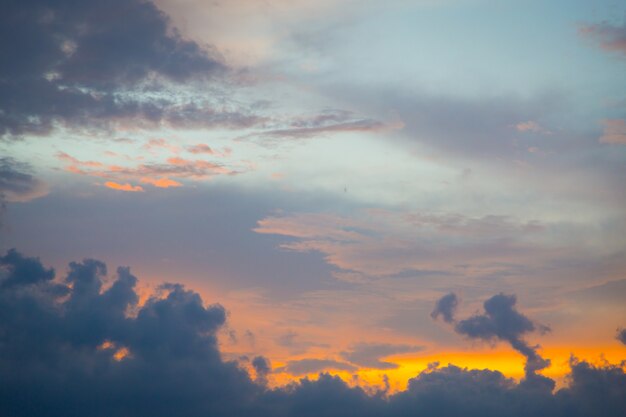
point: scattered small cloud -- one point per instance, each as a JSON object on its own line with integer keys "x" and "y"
{"x": 609, "y": 36}
{"x": 123, "y": 187}
{"x": 614, "y": 132}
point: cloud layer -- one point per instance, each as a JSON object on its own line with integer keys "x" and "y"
{"x": 84, "y": 345}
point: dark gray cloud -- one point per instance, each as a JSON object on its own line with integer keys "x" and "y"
{"x": 71, "y": 347}
{"x": 262, "y": 368}
{"x": 369, "y": 355}
{"x": 17, "y": 183}
{"x": 446, "y": 307}
{"x": 621, "y": 335}
{"x": 82, "y": 345}
{"x": 89, "y": 63}
{"x": 501, "y": 321}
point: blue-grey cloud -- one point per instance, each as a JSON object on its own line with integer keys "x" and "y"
{"x": 81, "y": 345}
{"x": 17, "y": 183}
{"x": 262, "y": 368}
{"x": 88, "y": 63}
{"x": 446, "y": 307}
{"x": 621, "y": 335}
{"x": 501, "y": 321}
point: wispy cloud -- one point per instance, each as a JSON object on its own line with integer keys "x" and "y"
{"x": 614, "y": 132}
{"x": 609, "y": 36}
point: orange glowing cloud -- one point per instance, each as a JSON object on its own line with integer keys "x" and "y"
{"x": 123, "y": 187}
{"x": 161, "y": 182}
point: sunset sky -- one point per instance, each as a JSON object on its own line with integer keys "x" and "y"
{"x": 328, "y": 172}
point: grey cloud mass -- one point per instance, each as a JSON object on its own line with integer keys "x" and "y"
{"x": 88, "y": 63}
{"x": 82, "y": 344}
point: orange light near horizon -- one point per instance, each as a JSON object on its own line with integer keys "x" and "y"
{"x": 509, "y": 363}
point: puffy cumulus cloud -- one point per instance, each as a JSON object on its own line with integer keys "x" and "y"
{"x": 17, "y": 183}
{"x": 369, "y": 355}
{"x": 610, "y": 37}
{"x": 91, "y": 63}
{"x": 82, "y": 344}
{"x": 501, "y": 321}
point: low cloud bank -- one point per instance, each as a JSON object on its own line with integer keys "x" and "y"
{"x": 81, "y": 345}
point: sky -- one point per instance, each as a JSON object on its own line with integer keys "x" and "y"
{"x": 331, "y": 207}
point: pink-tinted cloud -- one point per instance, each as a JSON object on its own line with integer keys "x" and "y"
{"x": 123, "y": 187}
{"x": 610, "y": 37}
{"x": 530, "y": 126}
{"x": 161, "y": 182}
{"x": 155, "y": 144}
{"x": 203, "y": 148}
{"x": 614, "y": 132}
{"x": 161, "y": 175}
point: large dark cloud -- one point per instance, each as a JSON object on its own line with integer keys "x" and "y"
{"x": 621, "y": 335}
{"x": 86, "y": 63}
{"x": 82, "y": 345}
{"x": 501, "y": 321}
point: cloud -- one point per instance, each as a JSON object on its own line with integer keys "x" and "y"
{"x": 379, "y": 242}
{"x": 610, "y": 37}
{"x": 16, "y": 182}
{"x": 614, "y": 132}
{"x": 155, "y": 174}
{"x": 312, "y": 366}
{"x": 530, "y": 126}
{"x": 291, "y": 340}
{"x": 82, "y": 344}
{"x": 124, "y": 187}
{"x": 93, "y": 65}
{"x": 161, "y": 182}
{"x": 369, "y": 355}
{"x": 501, "y": 321}
{"x": 262, "y": 368}
{"x": 446, "y": 307}
{"x": 59, "y": 339}
{"x": 203, "y": 148}
{"x": 621, "y": 335}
